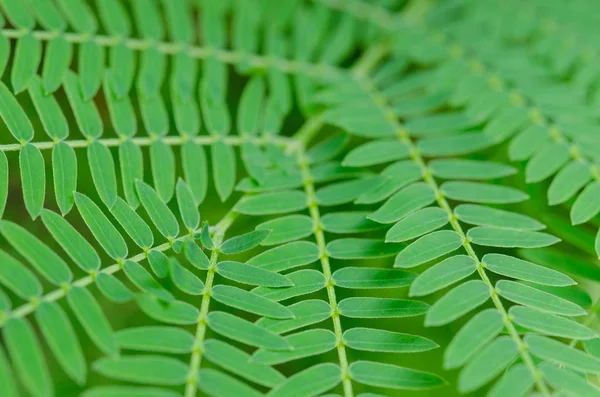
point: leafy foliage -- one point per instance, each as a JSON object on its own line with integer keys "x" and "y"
{"x": 248, "y": 198}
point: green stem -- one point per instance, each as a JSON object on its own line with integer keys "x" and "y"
{"x": 313, "y": 208}
{"x": 201, "y": 52}
{"x": 198, "y": 349}
{"x": 403, "y": 136}
{"x": 370, "y": 59}
{"x": 204, "y": 140}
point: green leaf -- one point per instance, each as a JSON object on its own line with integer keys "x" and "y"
{"x": 244, "y": 331}
{"x": 90, "y": 64}
{"x": 328, "y": 148}
{"x": 161, "y": 215}
{"x": 185, "y": 280}
{"x": 146, "y": 369}
{"x": 469, "y": 169}
{"x": 187, "y": 206}
{"x": 559, "y": 353}
{"x": 247, "y": 301}
{"x": 443, "y": 274}
{"x": 356, "y": 248}
{"x": 242, "y": 243}
{"x": 92, "y": 319}
{"x": 507, "y": 238}
{"x": 403, "y": 203}
{"x": 122, "y": 69}
{"x": 132, "y": 168}
{"x": 454, "y": 145}
{"x": 27, "y": 357}
{"x": 18, "y": 278}
{"x": 238, "y": 362}
{"x": 85, "y": 111}
{"x": 472, "y": 337}
{"x": 586, "y": 205}
{"x": 195, "y": 255}
{"x": 194, "y": 163}
{"x": 347, "y": 191}
{"x": 309, "y": 382}
{"x": 156, "y": 122}
{"x": 248, "y": 274}
{"x": 517, "y": 381}
{"x": 363, "y": 307}
{"x": 528, "y": 141}
{"x": 51, "y": 115}
{"x": 569, "y": 180}
{"x": 56, "y": 62}
{"x": 156, "y": 338}
{"x": 306, "y": 313}
{"x": 488, "y": 364}
{"x": 457, "y": 302}
{"x": 6, "y": 376}
{"x": 427, "y": 248}
{"x": 286, "y": 229}
{"x": 79, "y": 250}
{"x": 377, "y": 340}
{"x": 376, "y": 152}
{"x": 18, "y": 14}
{"x": 517, "y": 268}
{"x": 45, "y": 261}
{"x": 223, "y": 160}
{"x": 102, "y": 229}
{"x": 33, "y": 178}
{"x": 287, "y": 256}
{"x": 486, "y": 216}
{"x": 112, "y": 288}
{"x": 272, "y": 203}
{"x": 546, "y": 162}
{"x": 482, "y": 193}
{"x": 371, "y": 278}
{"x": 133, "y": 224}
{"x": 26, "y": 61}
{"x": 121, "y": 111}
{"x": 64, "y": 170}
{"x": 218, "y": 384}
{"x": 304, "y": 344}
{"x": 162, "y": 161}
{"x": 528, "y": 296}
{"x": 14, "y": 117}
{"x": 567, "y": 381}
{"x": 417, "y": 224}
{"x": 393, "y": 178}
{"x": 102, "y": 167}
{"x": 549, "y": 324}
{"x": 305, "y": 282}
{"x": 392, "y": 376}
{"x": 250, "y": 106}
{"x": 348, "y": 222}
{"x": 172, "y": 312}
{"x": 144, "y": 281}
{"x": 205, "y": 237}
{"x": 62, "y": 340}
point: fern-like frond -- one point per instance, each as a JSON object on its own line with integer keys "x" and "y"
{"x": 288, "y": 199}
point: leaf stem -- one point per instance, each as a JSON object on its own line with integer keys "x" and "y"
{"x": 198, "y": 349}
{"x": 313, "y": 207}
{"x": 290, "y": 66}
{"x": 204, "y": 140}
